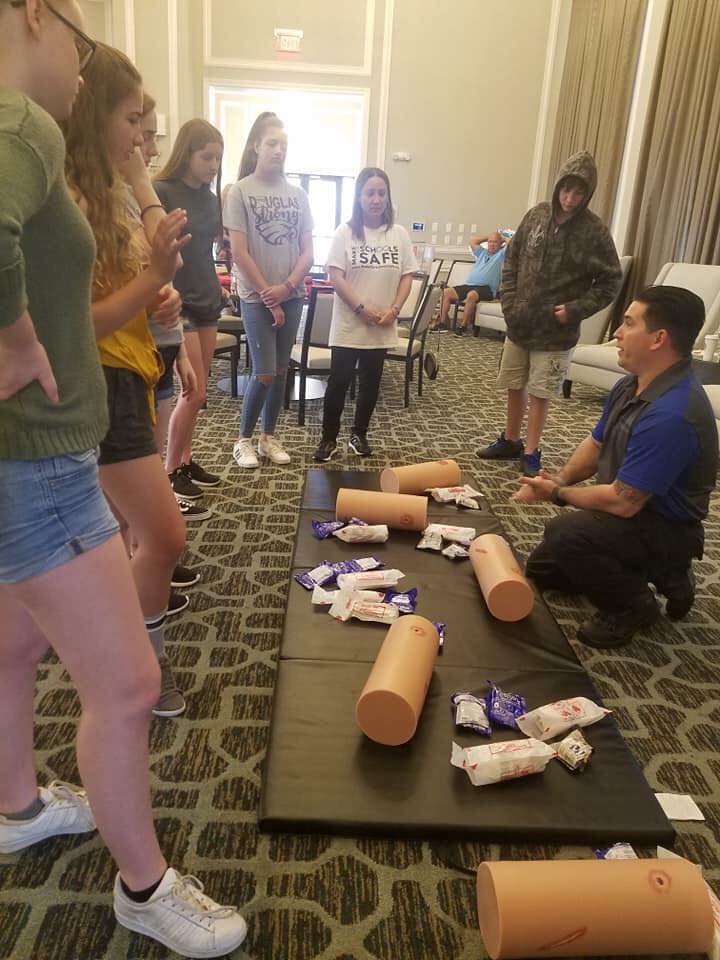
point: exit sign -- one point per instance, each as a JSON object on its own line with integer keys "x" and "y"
{"x": 288, "y": 41}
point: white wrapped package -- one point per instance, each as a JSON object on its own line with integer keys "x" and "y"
{"x": 369, "y": 579}
{"x": 326, "y": 598}
{"x": 555, "y": 718}
{"x": 507, "y": 760}
{"x": 449, "y": 532}
{"x": 367, "y": 534}
{"x": 462, "y": 495}
{"x": 352, "y": 603}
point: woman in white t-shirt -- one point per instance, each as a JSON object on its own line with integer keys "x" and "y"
{"x": 370, "y": 264}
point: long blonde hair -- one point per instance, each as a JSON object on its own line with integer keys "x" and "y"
{"x": 108, "y": 79}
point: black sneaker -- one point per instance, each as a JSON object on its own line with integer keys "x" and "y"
{"x": 199, "y": 476}
{"x": 184, "y": 577}
{"x": 359, "y": 445}
{"x": 326, "y": 449}
{"x": 607, "y": 630}
{"x": 191, "y": 511}
{"x": 680, "y": 595}
{"x": 183, "y": 486}
{"x": 502, "y": 449}
{"x": 459, "y": 330}
{"x": 177, "y": 603}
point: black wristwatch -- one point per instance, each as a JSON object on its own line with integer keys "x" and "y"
{"x": 557, "y": 498}
{"x": 359, "y": 308}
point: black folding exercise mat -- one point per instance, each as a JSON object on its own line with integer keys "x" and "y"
{"x": 322, "y": 774}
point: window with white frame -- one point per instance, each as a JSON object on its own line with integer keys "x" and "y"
{"x": 327, "y": 141}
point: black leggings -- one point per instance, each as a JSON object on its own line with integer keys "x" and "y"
{"x": 342, "y": 370}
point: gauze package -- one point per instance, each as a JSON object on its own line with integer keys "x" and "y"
{"x": 556, "y": 718}
{"x": 405, "y": 602}
{"x": 508, "y": 760}
{"x": 378, "y": 533}
{"x": 504, "y": 708}
{"x": 322, "y": 529}
{"x": 574, "y": 751}
{"x": 455, "y": 552}
{"x": 326, "y": 598}
{"x": 369, "y": 579}
{"x": 431, "y": 540}
{"x": 463, "y": 496}
{"x": 450, "y": 532}
{"x": 470, "y": 713}
{"x": 318, "y": 576}
{"x": 352, "y": 603}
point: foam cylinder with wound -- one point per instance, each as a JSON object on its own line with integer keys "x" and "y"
{"x": 587, "y": 908}
{"x": 398, "y": 510}
{"x": 389, "y": 707}
{"x": 507, "y": 593}
{"x": 418, "y": 477}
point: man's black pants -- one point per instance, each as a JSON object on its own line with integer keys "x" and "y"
{"x": 612, "y": 559}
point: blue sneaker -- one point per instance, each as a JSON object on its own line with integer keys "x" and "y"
{"x": 530, "y": 463}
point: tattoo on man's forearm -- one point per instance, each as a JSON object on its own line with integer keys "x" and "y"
{"x": 627, "y": 492}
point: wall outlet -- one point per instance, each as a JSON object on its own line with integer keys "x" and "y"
{"x": 433, "y": 239}
{"x": 435, "y": 228}
{"x": 460, "y": 241}
{"x": 418, "y": 226}
{"x": 448, "y": 228}
{"x": 447, "y": 239}
{"x": 473, "y": 228}
{"x": 461, "y": 228}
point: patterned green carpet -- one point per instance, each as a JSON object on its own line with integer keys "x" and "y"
{"x": 323, "y": 898}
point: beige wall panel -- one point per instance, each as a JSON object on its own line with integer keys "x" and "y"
{"x": 334, "y": 33}
{"x": 464, "y": 97}
{"x": 94, "y": 15}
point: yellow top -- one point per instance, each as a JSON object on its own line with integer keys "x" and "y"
{"x": 133, "y": 348}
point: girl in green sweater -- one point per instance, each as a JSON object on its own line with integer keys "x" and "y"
{"x": 65, "y": 580}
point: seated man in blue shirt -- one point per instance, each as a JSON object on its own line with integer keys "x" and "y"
{"x": 654, "y": 454}
{"x": 482, "y": 282}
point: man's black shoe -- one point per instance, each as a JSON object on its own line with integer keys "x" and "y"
{"x": 607, "y": 630}
{"x": 502, "y": 449}
{"x": 680, "y": 595}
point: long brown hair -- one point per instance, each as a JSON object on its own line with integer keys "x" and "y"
{"x": 192, "y": 136}
{"x": 108, "y": 79}
{"x": 263, "y": 122}
{"x": 356, "y": 222}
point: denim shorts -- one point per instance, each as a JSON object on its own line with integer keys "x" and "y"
{"x": 165, "y": 387}
{"x": 50, "y": 512}
{"x": 270, "y": 346}
{"x": 192, "y": 323}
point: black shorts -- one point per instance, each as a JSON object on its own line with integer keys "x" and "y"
{"x": 130, "y": 436}
{"x": 165, "y": 387}
{"x": 483, "y": 292}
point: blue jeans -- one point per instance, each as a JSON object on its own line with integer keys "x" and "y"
{"x": 51, "y": 511}
{"x": 270, "y": 352}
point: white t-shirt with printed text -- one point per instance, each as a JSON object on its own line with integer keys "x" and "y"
{"x": 373, "y": 268}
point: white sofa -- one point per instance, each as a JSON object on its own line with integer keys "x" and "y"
{"x": 597, "y": 365}
{"x": 489, "y": 314}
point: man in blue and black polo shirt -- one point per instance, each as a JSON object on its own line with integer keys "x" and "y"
{"x": 654, "y": 453}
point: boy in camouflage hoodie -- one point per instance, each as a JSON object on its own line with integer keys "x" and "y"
{"x": 561, "y": 267}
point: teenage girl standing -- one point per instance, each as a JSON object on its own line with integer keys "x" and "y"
{"x": 271, "y": 236}
{"x": 370, "y": 265}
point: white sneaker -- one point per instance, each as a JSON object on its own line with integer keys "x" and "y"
{"x": 180, "y": 916}
{"x": 66, "y": 810}
{"x": 244, "y": 454}
{"x": 273, "y": 450}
